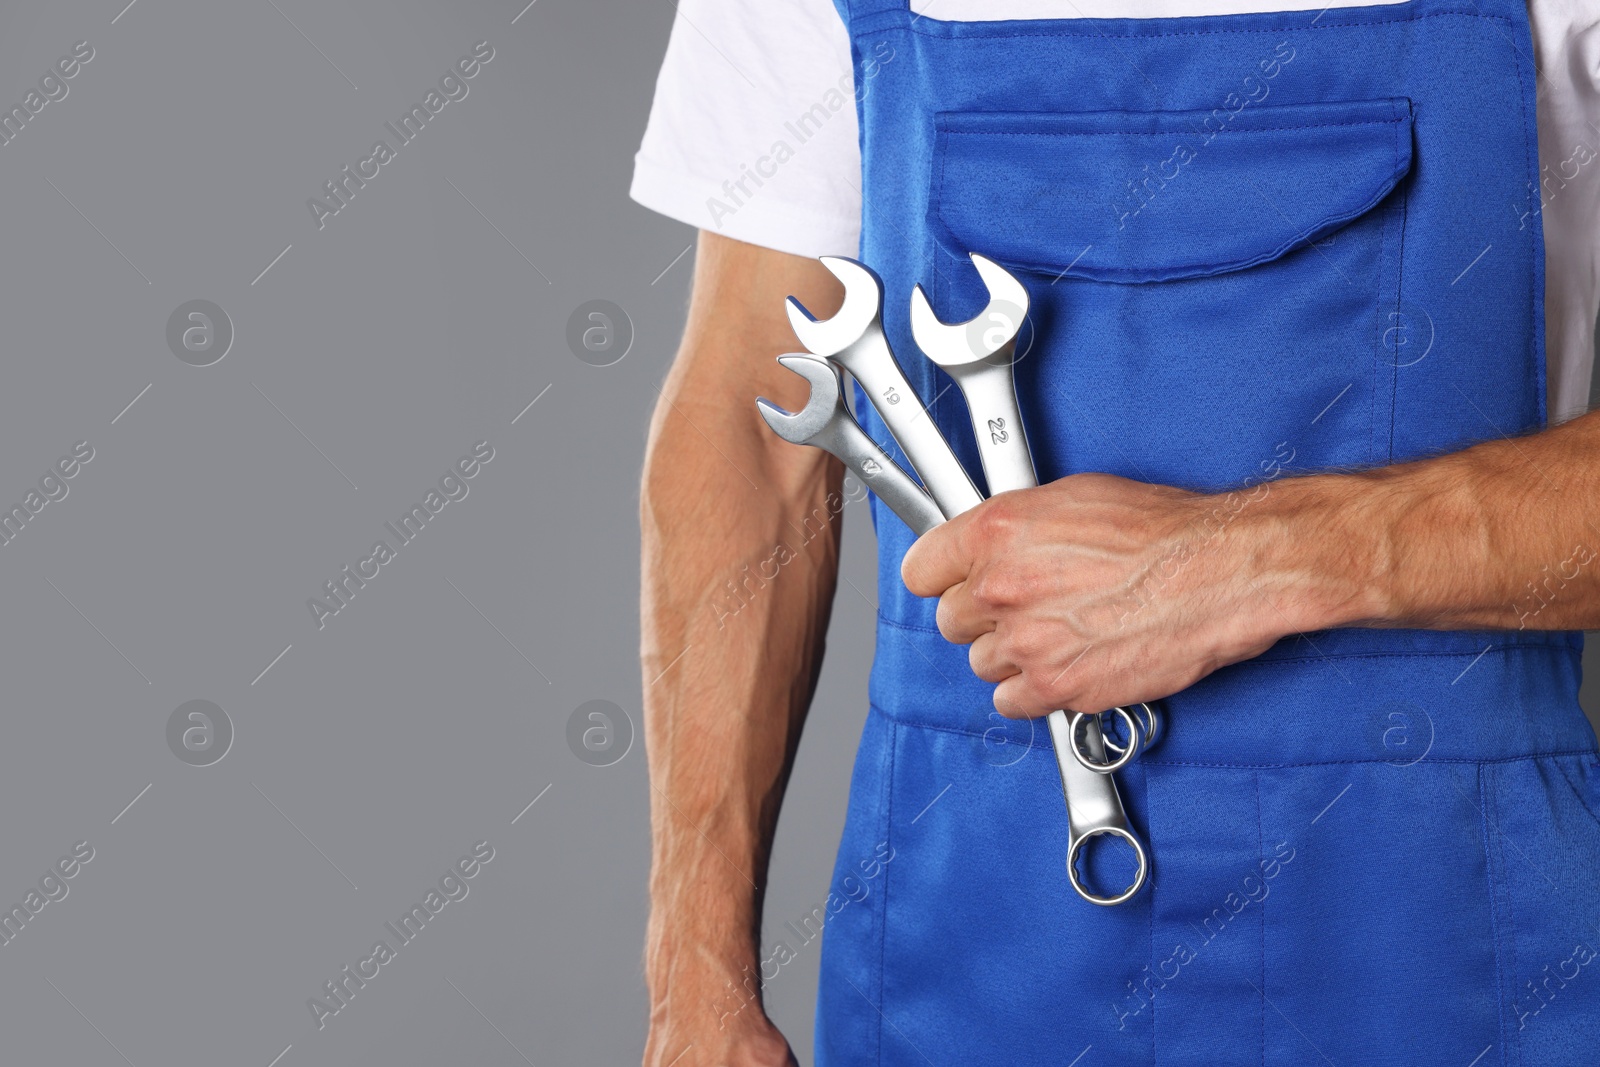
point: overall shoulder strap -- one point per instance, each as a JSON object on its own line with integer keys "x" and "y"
{"x": 858, "y": 13}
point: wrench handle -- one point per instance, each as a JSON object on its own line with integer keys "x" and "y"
{"x": 850, "y": 443}
{"x": 872, "y": 363}
{"x": 997, "y": 421}
{"x": 1094, "y": 806}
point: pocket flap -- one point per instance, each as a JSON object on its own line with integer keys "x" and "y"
{"x": 1123, "y": 196}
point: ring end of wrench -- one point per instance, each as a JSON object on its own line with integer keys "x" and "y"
{"x": 1075, "y": 850}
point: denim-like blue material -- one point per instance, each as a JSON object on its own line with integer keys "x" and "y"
{"x": 1256, "y": 245}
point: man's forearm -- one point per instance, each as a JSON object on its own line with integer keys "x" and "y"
{"x": 732, "y": 643}
{"x": 1504, "y": 535}
{"x": 740, "y": 538}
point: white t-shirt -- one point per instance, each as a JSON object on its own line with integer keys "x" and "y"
{"x": 738, "y": 73}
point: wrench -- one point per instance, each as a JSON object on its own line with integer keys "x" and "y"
{"x": 854, "y": 340}
{"x": 978, "y": 356}
{"x": 826, "y": 423}
{"x": 1093, "y": 806}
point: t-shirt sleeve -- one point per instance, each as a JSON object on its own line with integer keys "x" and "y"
{"x": 1566, "y": 36}
{"x": 752, "y": 133}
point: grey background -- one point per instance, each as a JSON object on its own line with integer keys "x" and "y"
{"x": 433, "y": 709}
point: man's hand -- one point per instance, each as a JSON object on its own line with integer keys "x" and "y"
{"x": 1095, "y": 591}
{"x": 747, "y": 1040}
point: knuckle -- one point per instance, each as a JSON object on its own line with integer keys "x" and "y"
{"x": 995, "y": 520}
{"x": 982, "y": 589}
{"x": 995, "y": 587}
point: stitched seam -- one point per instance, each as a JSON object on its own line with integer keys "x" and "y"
{"x": 949, "y": 132}
{"x": 941, "y": 288}
{"x": 1261, "y": 914}
{"x": 1346, "y": 762}
{"x": 1399, "y": 288}
{"x": 1384, "y": 372}
{"x": 885, "y": 620}
{"x": 1149, "y": 831}
{"x": 1372, "y": 389}
{"x": 982, "y": 36}
{"x": 888, "y": 833}
{"x": 1538, "y": 355}
{"x": 1034, "y": 743}
{"x": 1494, "y": 910}
{"x": 1576, "y": 792}
{"x": 1485, "y": 799}
{"x": 1511, "y": 945}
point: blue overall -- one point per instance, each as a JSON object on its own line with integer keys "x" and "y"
{"x": 1256, "y": 245}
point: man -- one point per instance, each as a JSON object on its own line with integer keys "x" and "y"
{"x": 1313, "y": 295}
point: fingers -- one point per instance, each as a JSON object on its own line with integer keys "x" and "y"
{"x": 989, "y": 660}
{"x": 1018, "y": 697}
{"x": 960, "y": 617}
{"x": 937, "y": 560}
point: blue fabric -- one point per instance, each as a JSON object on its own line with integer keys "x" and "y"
{"x": 1255, "y": 245}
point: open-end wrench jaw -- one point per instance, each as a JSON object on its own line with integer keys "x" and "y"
{"x": 805, "y": 426}
{"x": 993, "y": 332}
{"x": 977, "y": 354}
{"x": 859, "y": 315}
{"x": 826, "y": 423}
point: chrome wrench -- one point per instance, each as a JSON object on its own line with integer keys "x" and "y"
{"x": 826, "y": 423}
{"x": 1093, "y": 805}
{"x": 978, "y": 357}
{"x": 853, "y": 338}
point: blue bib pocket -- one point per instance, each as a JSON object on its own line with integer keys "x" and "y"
{"x": 1216, "y": 294}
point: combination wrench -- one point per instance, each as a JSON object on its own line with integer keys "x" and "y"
{"x": 826, "y": 423}
{"x": 978, "y": 356}
{"x": 1094, "y": 807}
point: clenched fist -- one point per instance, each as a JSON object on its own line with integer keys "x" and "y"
{"x": 1095, "y": 591}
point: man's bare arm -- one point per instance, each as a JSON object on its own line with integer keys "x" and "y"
{"x": 1505, "y": 535}
{"x": 1095, "y": 591}
{"x": 732, "y": 643}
